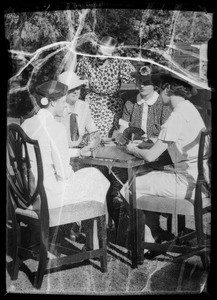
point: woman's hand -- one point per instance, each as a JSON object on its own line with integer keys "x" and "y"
{"x": 131, "y": 147}
{"x": 119, "y": 138}
{"x": 73, "y": 144}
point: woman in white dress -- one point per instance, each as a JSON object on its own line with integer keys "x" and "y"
{"x": 62, "y": 185}
{"x": 179, "y": 135}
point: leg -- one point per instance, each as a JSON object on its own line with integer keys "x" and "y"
{"x": 181, "y": 224}
{"x": 153, "y": 222}
{"x": 87, "y": 226}
{"x": 169, "y": 223}
{"x": 115, "y": 199}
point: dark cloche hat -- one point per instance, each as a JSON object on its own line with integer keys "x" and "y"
{"x": 52, "y": 89}
{"x": 146, "y": 76}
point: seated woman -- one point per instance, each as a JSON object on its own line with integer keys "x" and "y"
{"x": 179, "y": 135}
{"x": 142, "y": 117}
{"x": 146, "y": 112}
{"x": 63, "y": 186}
{"x": 77, "y": 117}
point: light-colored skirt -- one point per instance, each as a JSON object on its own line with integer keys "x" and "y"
{"x": 84, "y": 185}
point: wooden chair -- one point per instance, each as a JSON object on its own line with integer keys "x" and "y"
{"x": 21, "y": 194}
{"x": 179, "y": 209}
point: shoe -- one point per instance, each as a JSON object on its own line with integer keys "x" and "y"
{"x": 74, "y": 232}
{"x": 152, "y": 254}
{"x": 161, "y": 235}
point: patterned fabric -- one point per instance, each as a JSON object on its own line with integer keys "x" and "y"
{"x": 157, "y": 115}
{"x": 104, "y": 84}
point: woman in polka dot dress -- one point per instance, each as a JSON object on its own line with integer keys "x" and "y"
{"x": 105, "y": 76}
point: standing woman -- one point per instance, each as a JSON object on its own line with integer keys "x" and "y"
{"x": 105, "y": 76}
{"x": 62, "y": 185}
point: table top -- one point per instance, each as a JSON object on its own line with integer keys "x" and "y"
{"x": 111, "y": 155}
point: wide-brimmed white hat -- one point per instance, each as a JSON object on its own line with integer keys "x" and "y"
{"x": 71, "y": 79}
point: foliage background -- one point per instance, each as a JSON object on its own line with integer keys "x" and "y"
{"x": 140, "y": 32}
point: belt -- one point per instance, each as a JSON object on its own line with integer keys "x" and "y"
{"x": 104, "y": 94}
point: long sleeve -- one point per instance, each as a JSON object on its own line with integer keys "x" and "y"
{"x": 90, "y": 125}
{"x": 125, "y": 69}
{"x": 60, "y": 152}
{"x": 127, "y": 111}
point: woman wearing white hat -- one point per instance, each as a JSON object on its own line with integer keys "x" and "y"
{"x": 77, "y": 117}
{"x": 105, "y": 75}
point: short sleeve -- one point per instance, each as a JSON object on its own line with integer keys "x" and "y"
{"x": 171, "y": 129}
{"x": 125, "y": 69}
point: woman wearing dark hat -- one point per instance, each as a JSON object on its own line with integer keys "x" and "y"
{"x": 180, "y": 134}
{"x": 142, "y": 117}
{"x": 146, "y": 112}
{"x": 62, "y": 185}
{"x": 105, "y": 75}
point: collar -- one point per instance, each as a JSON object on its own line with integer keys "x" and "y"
{"x": 150, "y": 101}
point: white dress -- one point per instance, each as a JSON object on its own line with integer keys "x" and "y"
{"x": 182, "y": 131}
{"x": 62, "y": 185}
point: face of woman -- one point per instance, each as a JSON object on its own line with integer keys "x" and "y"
{"x": 145, "y": 90}
{"x": 73, "y": 96}
{"x": 59, "y": 106}
{"x": 105, "y": 51}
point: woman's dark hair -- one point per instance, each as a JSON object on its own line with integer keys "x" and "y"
{"x": 177, "y": 87}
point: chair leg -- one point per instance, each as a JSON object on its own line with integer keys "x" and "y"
{"x": 140, "y": 236}
{"x": 88, "y": 229}
{"x": 16, "y": 244}
{"x": 205, "y": 259}
{"x": 41, "y": 266}
{"x": 102, "y": 236}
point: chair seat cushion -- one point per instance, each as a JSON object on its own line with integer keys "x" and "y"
{"x": 69, "y": 213}
{"x": 169, "y": 205}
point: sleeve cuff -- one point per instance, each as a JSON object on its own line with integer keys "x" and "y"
{"x": 123, "y": 123}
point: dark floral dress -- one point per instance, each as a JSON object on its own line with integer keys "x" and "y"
{"x": 105, "y": 78}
